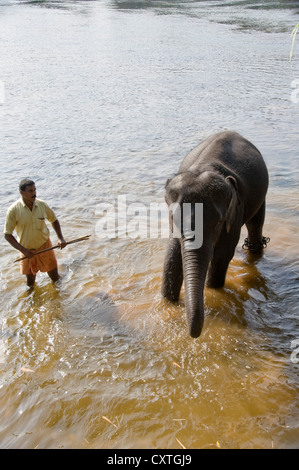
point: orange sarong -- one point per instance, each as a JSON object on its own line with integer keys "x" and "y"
{"x": 44, "y": 262}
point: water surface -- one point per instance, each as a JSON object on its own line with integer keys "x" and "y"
{"x": 103, "y": 99}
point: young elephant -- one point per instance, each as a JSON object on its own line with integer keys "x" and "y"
{"x": 229, "y": 176}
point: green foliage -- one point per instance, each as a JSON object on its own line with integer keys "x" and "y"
{"x": 294, "y": 32}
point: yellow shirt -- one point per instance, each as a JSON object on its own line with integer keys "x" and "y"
{"x": 30, "y": 225}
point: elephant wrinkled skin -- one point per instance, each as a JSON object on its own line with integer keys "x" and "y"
{"x": 227, "y": 174}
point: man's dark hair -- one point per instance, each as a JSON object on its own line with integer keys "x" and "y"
{"x": 24, "y": 183}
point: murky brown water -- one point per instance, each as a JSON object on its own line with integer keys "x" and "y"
{"x": 103, "y": 100}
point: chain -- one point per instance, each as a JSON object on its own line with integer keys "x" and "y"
{"x": 257, "y": 247}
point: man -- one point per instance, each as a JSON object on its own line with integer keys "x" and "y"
{"x": 28, "y": 217}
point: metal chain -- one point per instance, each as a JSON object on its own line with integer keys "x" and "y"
{"x": 257, "y": 247}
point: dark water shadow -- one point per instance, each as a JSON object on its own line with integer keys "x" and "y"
{"x": 70, "y": 5}
{"x": 260, "y": 294}
{"x": 93, "y": 315}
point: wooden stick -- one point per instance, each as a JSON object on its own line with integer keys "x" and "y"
{"x": 56, "y": 246}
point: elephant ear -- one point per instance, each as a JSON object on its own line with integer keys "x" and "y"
{"x": 167, "y": 182}
{"x": 234, "y": 202}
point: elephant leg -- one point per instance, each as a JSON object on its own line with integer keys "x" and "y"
{"x": 224, "y": 251}
{"x": 173, "y": 271}
{"x": 255, "y": 240}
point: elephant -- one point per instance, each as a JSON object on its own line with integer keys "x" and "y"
{"x": 228, "y": 175}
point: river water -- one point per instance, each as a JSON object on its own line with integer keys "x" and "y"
{"x": 100, "y": 102}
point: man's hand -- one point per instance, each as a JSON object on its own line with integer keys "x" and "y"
{"x": 13, "y": 241}
{"x": 61, "y": 243}
{"x": 61, "y": 240}
{"x": 28, "y": 253}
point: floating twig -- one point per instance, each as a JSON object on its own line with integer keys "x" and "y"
{"x": 176, "y": 364}
{"x": 108, "y": 421}
{"x": 179, "y": 442}
{"x": 26, "y": 369}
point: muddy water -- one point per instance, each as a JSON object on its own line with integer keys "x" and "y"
{"x": 104, "y": 99}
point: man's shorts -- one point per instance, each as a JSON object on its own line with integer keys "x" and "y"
{"x": 44, "y": 262}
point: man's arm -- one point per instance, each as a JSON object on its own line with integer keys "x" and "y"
{"x": 57, "y": 228}
{"x": 14, "y": 242}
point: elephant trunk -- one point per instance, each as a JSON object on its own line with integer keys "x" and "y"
{"x": 195, "y": 265}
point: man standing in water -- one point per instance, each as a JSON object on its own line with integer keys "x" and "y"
{"x": 28, "y": 217}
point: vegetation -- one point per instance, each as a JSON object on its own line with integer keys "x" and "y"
{"x": 294, "y": 32}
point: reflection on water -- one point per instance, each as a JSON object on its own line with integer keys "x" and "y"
{"x": 105, "y": 99}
